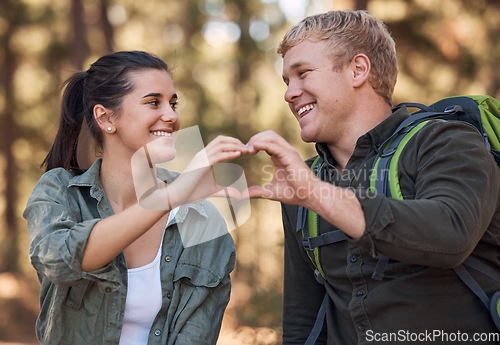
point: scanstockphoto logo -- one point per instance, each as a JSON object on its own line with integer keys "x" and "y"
{"x": 182, "y": 156}
{"x": 432, "y": 336}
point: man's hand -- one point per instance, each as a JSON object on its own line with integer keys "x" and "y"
{"x": 294, "y": 183}
{"x": 292, "y": 179}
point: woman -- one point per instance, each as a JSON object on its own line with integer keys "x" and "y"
{"x": 114, "y": 271}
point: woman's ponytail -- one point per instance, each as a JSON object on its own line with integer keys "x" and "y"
{"x": 64, "y": 149}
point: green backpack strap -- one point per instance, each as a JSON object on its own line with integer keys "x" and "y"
{"x": 312, "y": 240}
{"x": 307, "y": 224}
{"x": 312, "y": 225}
{"x": 385, "y": 168}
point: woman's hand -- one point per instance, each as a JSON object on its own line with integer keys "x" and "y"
{"x": 194, "y": 184}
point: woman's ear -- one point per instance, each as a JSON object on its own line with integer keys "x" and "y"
{"x": 102, "y": 116}
{"x": 361, "y": 68}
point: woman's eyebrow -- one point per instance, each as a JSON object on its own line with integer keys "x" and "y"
{"x": 158, "y": 94}
{"x": 152, "y": 94}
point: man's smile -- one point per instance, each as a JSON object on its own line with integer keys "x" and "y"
{"x": 305, "y": 108}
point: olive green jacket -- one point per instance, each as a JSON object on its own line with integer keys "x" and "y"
{"x": 87, "y": 307}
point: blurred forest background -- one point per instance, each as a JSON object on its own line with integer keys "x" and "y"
{"x": 228, "y": 75}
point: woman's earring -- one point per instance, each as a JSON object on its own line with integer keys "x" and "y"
{"x": 109, "y": 129}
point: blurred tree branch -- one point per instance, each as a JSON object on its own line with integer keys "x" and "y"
{"x": 79, "y": 49}
{"x": 107, "y": 28}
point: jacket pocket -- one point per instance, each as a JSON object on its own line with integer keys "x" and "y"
{"x": 84, "y": 296}
{"x": 196, "y": 275}
{"x": 194, "y": 301}
{"x": 192, "y": 285}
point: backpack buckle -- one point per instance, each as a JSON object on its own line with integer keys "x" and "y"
{"x": 319, "y": 277}
{"x": 454, "y": 109}
{"x": 307, "y": 244}
{"x": 388, "y": 152}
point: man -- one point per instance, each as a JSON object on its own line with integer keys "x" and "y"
{"x": 340, "y": 69}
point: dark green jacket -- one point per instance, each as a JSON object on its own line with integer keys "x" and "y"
{"x": 451, "y": 209}
{"x": 82, "y": 308}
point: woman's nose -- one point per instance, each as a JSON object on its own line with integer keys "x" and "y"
{"x": 169, "y": 114}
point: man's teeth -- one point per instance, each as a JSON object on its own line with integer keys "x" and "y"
{"x": 162, "y": 133}
{"x": 305, "y": 108}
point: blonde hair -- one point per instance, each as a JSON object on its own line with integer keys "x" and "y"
{"x": 347, "y": 34}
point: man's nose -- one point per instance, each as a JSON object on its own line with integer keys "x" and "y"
{"x": 292, "y": 92}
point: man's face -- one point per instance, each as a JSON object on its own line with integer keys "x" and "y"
{"x": 317, "y": 95}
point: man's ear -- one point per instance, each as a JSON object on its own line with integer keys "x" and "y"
{"x": 102, "y": 116}
{"x": 361, "y": 67}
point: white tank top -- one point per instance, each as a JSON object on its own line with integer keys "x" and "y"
{"x": 144, "y": 299}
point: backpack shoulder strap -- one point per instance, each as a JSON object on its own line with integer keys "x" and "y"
{"x": 307, "y": 223}
{"x": 384, "y": 176}
{"x": 304, "y": 217}
{"x": 318, "y": 324}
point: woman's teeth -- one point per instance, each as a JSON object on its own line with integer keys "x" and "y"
{"x": 162, "y": 133}
{"x": 305, "y": 108}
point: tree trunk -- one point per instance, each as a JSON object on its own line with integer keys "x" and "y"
{"x": 80, "y": 50}
{"x": 107, "y": 28}
{"x": 9, "y": 249}
{"x": 361, "y": 4}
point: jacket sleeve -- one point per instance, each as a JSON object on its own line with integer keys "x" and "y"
{"x": 57, "y": 235}
{"x": 303, "y": 295}
{"x": 450, "y": 184}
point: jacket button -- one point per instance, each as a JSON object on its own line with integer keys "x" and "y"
{"x": 157, "y": 332}
{"x": 354, "y": 258}
{"x": 108, "y": 289}
{"x": 169, "y": 295}
{"x": 359, "y": 293}
{"x": 168, "y": 258}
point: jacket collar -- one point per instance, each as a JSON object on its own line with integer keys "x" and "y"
{"x": 374, "y": 138}
{"x": 386, "y": 128}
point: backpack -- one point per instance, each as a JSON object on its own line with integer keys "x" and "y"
{"x": 483, "y": 112}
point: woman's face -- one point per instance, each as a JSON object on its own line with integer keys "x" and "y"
{"x": 147, "y": 117}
